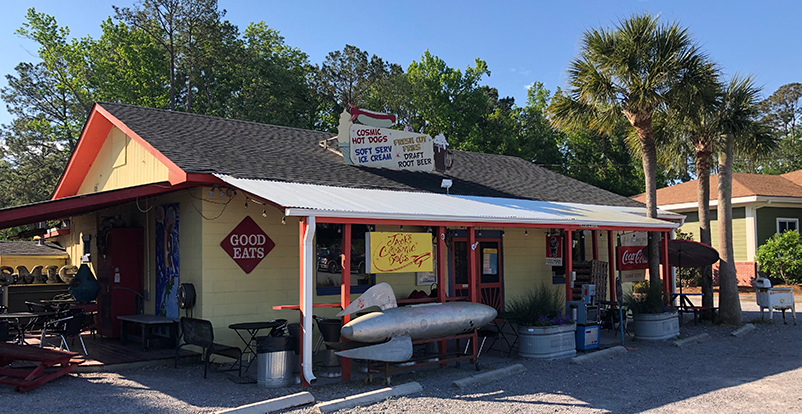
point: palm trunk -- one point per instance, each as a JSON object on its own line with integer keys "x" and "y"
{"x": 729, "y": 302}
{"x": 649, "y": 158}
{"x": 703, "y": 198}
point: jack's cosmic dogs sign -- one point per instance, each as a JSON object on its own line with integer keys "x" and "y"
{"x": 382, "y": 147}
{"x": 399, "y": 252}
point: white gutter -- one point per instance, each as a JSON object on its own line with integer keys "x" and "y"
{"x": 306, "y": 304}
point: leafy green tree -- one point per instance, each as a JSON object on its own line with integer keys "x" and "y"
{"x": 127, "y": 66}
{"x": 538, "y": 140}
{"x": 271, "y": 81}
{"x": 447, "y": 100}
{"x": 781, "y": 256}
{"x": 632, "y": 71}
{"x": 781, "y": 112}
{"x": 346, "y": 77}
{"x": 185, "y": 30}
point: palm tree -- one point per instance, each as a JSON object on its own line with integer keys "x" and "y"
{"x": 741, "y": 133}
{"x": 690, "y": 131}
{"x": 634, "y": 70}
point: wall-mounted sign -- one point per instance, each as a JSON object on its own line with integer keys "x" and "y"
{"x": 635, "y": 240}
{"x": 554, "y": 250}
{"x": 247, "y": 244}
{"x": 392, "y": 252}
{"x": 389, "y": 148}
{"x": 631, "y": 262}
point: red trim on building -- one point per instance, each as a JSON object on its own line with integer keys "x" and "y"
{"x": 92, "y": 138}
{"x": 66, "y": 207}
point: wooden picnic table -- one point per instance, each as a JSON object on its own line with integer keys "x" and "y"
{"x": 685, "y": 305}
{"x": 28, "y": 378}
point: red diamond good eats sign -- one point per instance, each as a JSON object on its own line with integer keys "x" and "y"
{"x": 247, "y": 244}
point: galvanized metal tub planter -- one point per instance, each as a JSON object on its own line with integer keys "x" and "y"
{"x": 656, "y": 326}
{"x": 547, "y": 342}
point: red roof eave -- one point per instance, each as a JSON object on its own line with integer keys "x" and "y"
{"x": 92, "y": 138}
{"x": 70, "y": 206}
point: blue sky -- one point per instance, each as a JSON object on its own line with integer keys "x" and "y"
{"x": 521, "y": 41}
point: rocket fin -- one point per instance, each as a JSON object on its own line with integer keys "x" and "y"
{"x": 380, "y": 295}
{"x": 397, "y": 349}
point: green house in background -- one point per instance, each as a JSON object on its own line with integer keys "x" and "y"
{"x": 762, "y": 205}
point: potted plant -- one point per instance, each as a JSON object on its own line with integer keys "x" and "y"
{"x": 544, "y": 330}
{"x": 652, "y": 318}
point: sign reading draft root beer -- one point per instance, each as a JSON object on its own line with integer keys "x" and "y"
{"x": 392, "y": 252}
{"x": 247, "y": 244}
{"x": 389, "y": 148}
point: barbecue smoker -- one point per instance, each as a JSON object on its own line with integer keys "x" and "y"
{"x": 586, "y": 315}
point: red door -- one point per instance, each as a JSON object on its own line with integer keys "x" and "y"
{"x": 488, "y": 265}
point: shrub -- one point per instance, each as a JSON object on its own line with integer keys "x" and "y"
{"x": 540, "y": 306}
{"x": 647, "y": 298}
{"x": 781, "y": 256}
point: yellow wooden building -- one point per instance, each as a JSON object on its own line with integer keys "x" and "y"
{"x": 191, "y": 184}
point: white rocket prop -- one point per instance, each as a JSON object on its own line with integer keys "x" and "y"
{"x": 393, "y": 329}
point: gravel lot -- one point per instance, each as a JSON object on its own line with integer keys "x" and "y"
{"x": 758, "y": 373}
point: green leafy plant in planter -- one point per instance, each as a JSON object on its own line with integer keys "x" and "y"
{"x": 652, "y": 318}
{"x": 539, "y": 306}
{"x": 647, "y": 298}
{"x": 544, "y": 330}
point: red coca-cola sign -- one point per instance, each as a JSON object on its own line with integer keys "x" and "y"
{"x": 247, "y": 244}
{"x": 631, "y": 258}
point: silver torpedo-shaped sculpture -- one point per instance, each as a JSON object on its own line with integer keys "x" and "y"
{"x": 387, "y": 335}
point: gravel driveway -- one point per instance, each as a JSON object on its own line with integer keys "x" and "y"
{"x": 758, "y": 373}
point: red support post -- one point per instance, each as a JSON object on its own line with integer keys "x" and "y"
{"x": 594, "y": 235}
{"x": 666, "y": 267}
{"x": 345, "y": 293}
{"x": 440, "y": 271}
{"x": 611, "y": 264}
{"x": 441, "y": 264}
{"x": 569, "y": 265}
{"x": 301, "y": 231}
{"x": 472, "y": 278}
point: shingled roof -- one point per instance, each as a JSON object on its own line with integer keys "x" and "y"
{"x": 30, "y": 248}
{"x": 205, "y": 144}
{"x": 743, "y": 185}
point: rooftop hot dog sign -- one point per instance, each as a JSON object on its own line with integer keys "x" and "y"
{"x": 247, "y": 244}
{"x": 382, "y": 147}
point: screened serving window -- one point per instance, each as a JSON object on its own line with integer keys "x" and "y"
{"x": 784, "y": 224}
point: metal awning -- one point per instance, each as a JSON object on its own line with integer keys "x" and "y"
{"x": 357, "y": 203}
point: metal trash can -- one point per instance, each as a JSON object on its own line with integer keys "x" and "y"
{"x": 274, "y": 356}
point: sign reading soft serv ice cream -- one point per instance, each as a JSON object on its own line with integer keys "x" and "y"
{"x": 392, "y": 252}
{"x": 382, "y": 147}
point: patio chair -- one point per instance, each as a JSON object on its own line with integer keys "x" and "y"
{"x": 199, "y": 332}
{"x": 68, "y": 324}
{"x": 495, "y": 331}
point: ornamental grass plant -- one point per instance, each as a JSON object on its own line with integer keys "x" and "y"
{"x": 540, "y": 306}
{"x": 647, "y": 298}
